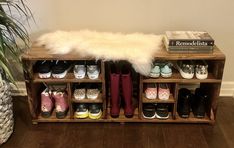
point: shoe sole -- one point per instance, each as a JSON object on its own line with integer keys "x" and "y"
{"x": 185, "y": 75}
{"x": 198, "y": 116}
{"x": 93, "y": 77}
{"x": 44, "y": 75}
{"x": 79, "y": 76}
{"x": 59, "y": 76}
{"x": 154, "y": 75}
{"x": 81, "y": 115}
{"x": 115, "y": 116}
{"x": 163, "y": 98}
{"x": 184, "y": 116}
{"x": 95, "y": 116}
{"x": 201, "y": 77}
{"x": 129, "y": 116}
{"x": 166, "y": 75}
{"x": 79, "y": 98}
{"x": 153, "y": 117}
{"x": 92, "y": 97}
{"x": 159, "y": 117}
{"x": 46, "y": 114}
{"x": 61, "y": 115}
{"x": 151, "y": 98}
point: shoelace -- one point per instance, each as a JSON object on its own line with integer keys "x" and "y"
{"x": 201, "y": 69}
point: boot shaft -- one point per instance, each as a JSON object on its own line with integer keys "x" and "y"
{"x": 114, "y": 83}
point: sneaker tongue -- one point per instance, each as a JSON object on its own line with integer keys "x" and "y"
{"x": 82, "y": 107}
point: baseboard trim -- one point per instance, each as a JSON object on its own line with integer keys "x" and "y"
{"x": 227, "y": 89}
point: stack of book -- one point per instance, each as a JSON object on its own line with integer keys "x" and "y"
{"x": 188, "y": 42}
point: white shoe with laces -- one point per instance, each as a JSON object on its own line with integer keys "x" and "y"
{"x": 79, "y": 71}
{"x": 93, "y": 71}
{"x": 201, "y": 70}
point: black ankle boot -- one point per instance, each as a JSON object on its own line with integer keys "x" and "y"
{"x": 199, "y": 103}
{"x": 184, "y": 102}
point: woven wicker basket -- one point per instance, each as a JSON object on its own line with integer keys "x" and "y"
{"x": 6, "y": 113}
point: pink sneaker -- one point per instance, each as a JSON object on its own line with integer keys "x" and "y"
{"x": 61, "y": 104}
{"x": 151, "y": 91}
{"x": 47, "y": 103}
{"x": 163, "y": 91}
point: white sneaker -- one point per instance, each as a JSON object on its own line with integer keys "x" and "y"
{"x": 201, "y": 70}
{"x": 93, "y": 71}
{"x": 79, "y": 71}
{"x": 186, "y": 69}
{"x": 79, "y": 94}
{"x": 92, "y": 93}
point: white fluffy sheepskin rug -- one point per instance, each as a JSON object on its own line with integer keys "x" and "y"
{"x": 137, "y": 48}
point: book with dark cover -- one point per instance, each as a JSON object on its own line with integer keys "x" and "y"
{"x": 188, "y": 38}
{"x": 189, "y": 50}
{"x": 191, "y": 47}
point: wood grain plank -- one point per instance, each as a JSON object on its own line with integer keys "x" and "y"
{"x": 40, "y": 53}
{"x": 184, "y": 136}
{"x": 170, "y": 100}
{"x": 117, "y": 135}
{"x": 176, "y": 77}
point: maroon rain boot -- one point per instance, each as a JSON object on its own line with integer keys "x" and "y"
{"x": 127, "y": 91}
{"x": 115, "y": 98}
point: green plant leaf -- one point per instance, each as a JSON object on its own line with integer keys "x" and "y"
{"x": 7, "y": 71}
{"x": 12, "y": 30}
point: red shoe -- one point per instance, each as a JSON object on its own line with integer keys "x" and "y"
{"x": 114, "y": 85}
{"x": 61, "y": 104}
{"x": 127, "y": 91}
{"x": 47, "y": 103}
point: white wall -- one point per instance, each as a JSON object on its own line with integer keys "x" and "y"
{"x": 149, "y": 16}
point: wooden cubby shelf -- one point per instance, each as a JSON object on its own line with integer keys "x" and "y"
{"x": 68, "y": 78}
{"x": 177, "y": 78}
{"x": 170, "y": 100}
{"x": 53, "y": 118}
{"x": 122, "y": 117}
{"x": 192, "y": 119}
{"x": 170, "y": 119}
{"x": 35, "y": 86}
{"x": 86, "y": 100}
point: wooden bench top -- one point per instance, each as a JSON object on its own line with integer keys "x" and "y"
{"x": 41, "y": 53}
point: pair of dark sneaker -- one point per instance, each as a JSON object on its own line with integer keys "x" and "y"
{"x": 93, "y": 111}
{"x": 159, "y": 111}
{"x": 187, "y": 101}
{"x": 58, "y": 69}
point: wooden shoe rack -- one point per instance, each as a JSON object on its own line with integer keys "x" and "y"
{"x": 35, "y": 86}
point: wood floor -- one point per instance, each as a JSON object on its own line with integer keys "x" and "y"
{"x": 115, "y": 135}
